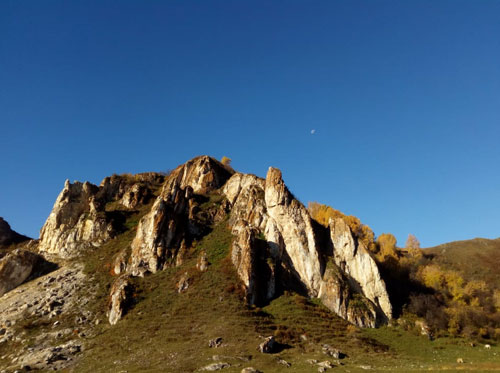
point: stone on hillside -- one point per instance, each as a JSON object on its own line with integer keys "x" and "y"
{"x": 183, "y": 283}
{"x": 284, "y": 362}
{"x": 331, "y": 351}
{"x": 119, "y": 299}
{"x": 216, "y": 366}
{"x": 250, "y": 370}
{"x": 202, "y": 262}
{"x": 326, "y": 364}
{"x": 16, "y": 267}
{"x": 214, "y": 343}
{"x": 120, "y": 263}
{"x": 268, "y": 346}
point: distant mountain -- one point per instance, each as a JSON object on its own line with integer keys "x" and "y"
{"x": 8, "y": 236}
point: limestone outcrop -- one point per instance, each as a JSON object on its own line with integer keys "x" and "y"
{"x": 337, "y": 294}
{"x": 203, "y": 174}
{"x": 80, "y": 219}
{"x": 276, "y": 245}
{"x": 349, "y": 284}
{"x": 119, "y": 299}
{"x": 160, "y": 233}
{"x": 355, "y": 260}
{"x": 294, "y": 225}
{"x": 77, "y": 219}
{"x": 243, "y": 255}
{"x": 173, "y": 218}
{"x": 245, "y": 193}
{"x": 16, "y": 267}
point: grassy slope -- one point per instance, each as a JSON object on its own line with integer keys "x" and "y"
{"x": 167, "y": 331}
{"x": 476, "y": 259}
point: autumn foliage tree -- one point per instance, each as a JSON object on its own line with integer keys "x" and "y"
{"x": 413, "y": 246}
{"x": 226, "y": 161}
{"x": 387, "y": 246}
{"x": 323, "y": 213}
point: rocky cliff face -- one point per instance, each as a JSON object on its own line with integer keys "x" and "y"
{"x": 275, "y": 246}
{"x": 79, "y": 218}
{"x": 294, "y": 225}
{"x": 267, "y": 209}
{"x": 354, "y": 259}
{"x": 172, "y": 220}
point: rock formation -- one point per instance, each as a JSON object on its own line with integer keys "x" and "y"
{"x": 356, "y": 262}
{"x": 119, "y": 299}
{"x": 172, "y": 218}
{"x": 8, "y": 236}
{"x": 203, "y": 174}
{"x": 77, "y": 218}
{"x": 275, "y": 246}
{"x": 16, "y": 267}
{"x": 294, "y": 224}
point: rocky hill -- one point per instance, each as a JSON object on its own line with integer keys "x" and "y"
{"x": 143, "y": 272}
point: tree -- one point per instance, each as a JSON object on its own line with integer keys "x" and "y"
{"x": 323, "y": 213}
{"x": 387, "y": 244}
{"x": 226, "y": 161}
{"x": 413, "y": 246}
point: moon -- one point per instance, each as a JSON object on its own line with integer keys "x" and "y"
{"x": 313, "y": 132}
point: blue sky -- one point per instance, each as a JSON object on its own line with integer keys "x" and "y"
{"x": 404, "y": 98}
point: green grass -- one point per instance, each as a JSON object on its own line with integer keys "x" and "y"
{"x": 165, "y": 331}
{"x": 169, "y": 332}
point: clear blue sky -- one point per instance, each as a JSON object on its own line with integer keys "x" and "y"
{"x": 404, "y": 97}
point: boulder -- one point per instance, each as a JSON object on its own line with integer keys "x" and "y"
{"x": 214, "y": 343}
{"x": 202, "y": 262}
{"x": 332, "y": 352}
{"x": 183, "y": 283}
{"x": 216, "y": 366}
{"x": 250, "y": 370}
{"x": 268, "y": 346}
{"x": 16, "y": 267}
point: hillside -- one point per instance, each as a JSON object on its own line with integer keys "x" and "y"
{"x": 196, "y": 269}
{"x": 476, "y": 259}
